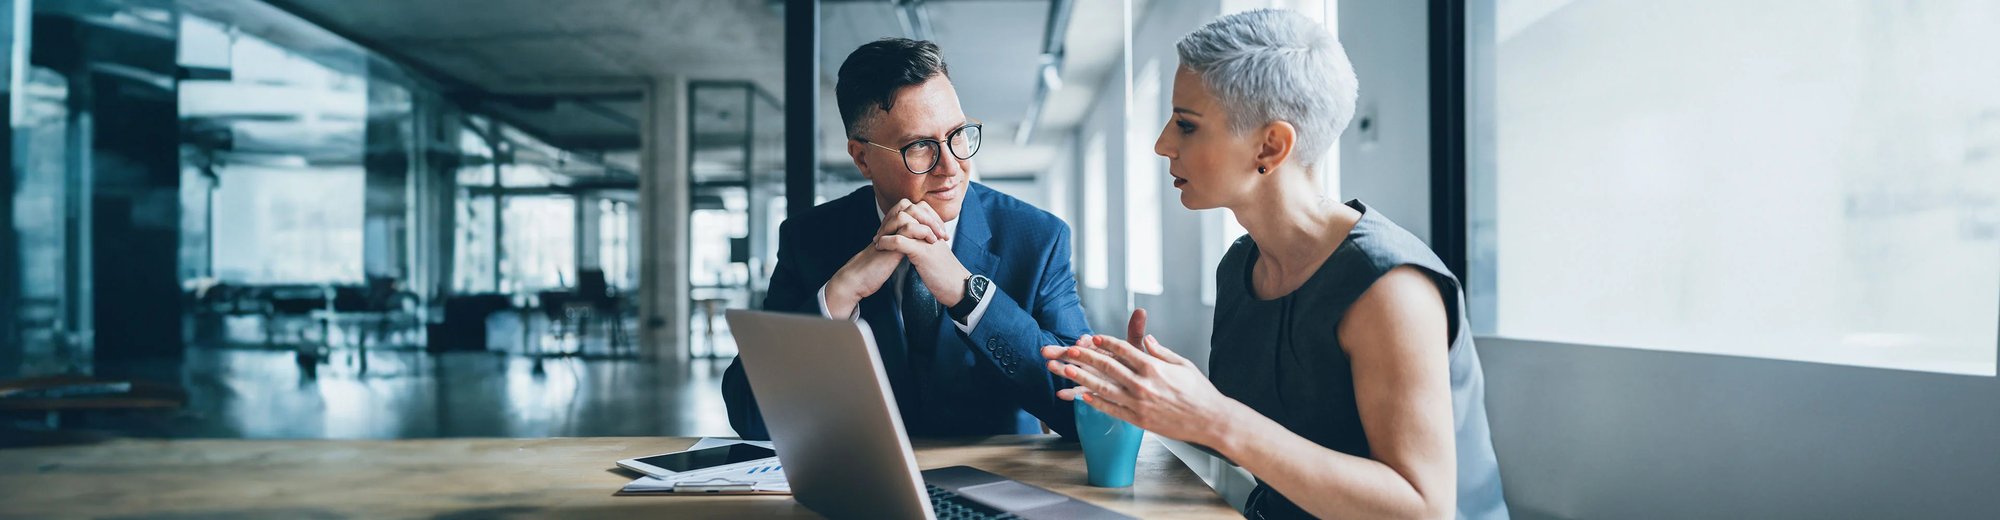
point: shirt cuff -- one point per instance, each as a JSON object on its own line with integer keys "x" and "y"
{"x": 856, "y": 316}
{"x": 971, "y": 320}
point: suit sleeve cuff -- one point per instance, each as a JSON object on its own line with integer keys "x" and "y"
{"x": 855, "y": 316}
{"x": 972, "y": 319}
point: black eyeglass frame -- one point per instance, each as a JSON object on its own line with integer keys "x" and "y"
{"x": 939, "y": 147}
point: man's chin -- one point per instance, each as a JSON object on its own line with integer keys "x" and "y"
{"x": 946, "y": 203}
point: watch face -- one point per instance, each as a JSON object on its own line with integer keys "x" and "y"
{"x": 975, "y": 292}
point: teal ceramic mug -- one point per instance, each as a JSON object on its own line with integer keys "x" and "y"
{"x": 1110, "y": 446}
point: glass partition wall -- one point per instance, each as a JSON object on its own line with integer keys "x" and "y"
{"x": 45, "y": 308}
{"x": 736, "y": 198}
{"x": 283, "y": 188}
{"x": 304, "y": 190}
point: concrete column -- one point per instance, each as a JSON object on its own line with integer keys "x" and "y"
{"x": 663, "y": 230}
{"x": 14, "y": 18}
{"x": 588, "y": 241}
{"x": 438, "y": 196}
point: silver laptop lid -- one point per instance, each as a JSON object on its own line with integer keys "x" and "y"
{"x": 827, "y": 405}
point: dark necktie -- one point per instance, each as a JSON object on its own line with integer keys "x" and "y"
{"x": 920, "y": 332}
{"x": 920, "y": 319}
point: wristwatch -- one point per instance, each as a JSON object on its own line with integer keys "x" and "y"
{"x": 975, "y": 292}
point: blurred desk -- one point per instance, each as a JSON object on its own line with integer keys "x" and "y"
{"x": 491, "y": 478}
{"x": 88, "y": 395}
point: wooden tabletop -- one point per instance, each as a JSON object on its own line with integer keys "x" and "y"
{"x": 489, "y": 478}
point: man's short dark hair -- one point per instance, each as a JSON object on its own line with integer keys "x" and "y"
{"x": 873, "y": 73}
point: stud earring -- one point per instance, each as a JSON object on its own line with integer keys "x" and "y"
{"x": 1261, "y": 171}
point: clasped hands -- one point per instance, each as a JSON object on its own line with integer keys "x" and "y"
{"x": 911, "y": 231}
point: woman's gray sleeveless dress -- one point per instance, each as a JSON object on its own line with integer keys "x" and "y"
{"x": 1283, "y": 357}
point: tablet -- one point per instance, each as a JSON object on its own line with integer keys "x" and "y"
{"x": 668, "y": 465}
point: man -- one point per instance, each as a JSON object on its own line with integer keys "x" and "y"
{"x": 960, "y": 284}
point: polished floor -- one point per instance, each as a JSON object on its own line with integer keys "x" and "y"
{"x": 411, "y": 394}
{"x": 252, "y": 391}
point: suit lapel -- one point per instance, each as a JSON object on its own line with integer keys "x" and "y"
{"x": 974, "y": 231}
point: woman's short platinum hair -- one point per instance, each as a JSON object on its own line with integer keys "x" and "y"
{"x": 1273, "y": 65}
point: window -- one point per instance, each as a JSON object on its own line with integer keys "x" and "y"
{"x": 538, "y": 246}
{"x": 1142, "y": 183}
{"x": 715, "y": 228}
{"x": 1321, "y": 10}
{"x": 1802, "y": 180}
{"x": 1096, "y": 243}
{"x": 279, "y": 141}
{"x": 614, "y": 242}
{"x": 288, "y": 224}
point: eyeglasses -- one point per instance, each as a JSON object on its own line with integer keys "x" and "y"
{"x": 921, "y": 156}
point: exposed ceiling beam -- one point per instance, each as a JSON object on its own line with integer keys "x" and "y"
{"x": 615, "y": 116}
{"x": 455, "y": 88}
{"x": 600, "y": 143}
{"x": 445, "y": 82}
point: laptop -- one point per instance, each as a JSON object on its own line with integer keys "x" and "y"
{"x": 830, "y": 412}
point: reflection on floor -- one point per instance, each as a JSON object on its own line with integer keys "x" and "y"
{"x": 258, "y": 393}
{"x": 534, "y": 379}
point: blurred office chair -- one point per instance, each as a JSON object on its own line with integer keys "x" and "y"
{"x": 555, "y": 305}
{"x": 601, "y": 304}
{"x": 284, "y": 304}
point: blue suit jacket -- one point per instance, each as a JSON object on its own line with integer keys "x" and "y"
{"x": 991, "y": 381}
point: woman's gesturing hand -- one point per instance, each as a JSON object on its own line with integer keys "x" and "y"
{"x": 1147, "y": 384}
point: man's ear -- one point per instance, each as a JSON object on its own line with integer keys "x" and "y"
{"x": 859, "y": 151}
{"x": 1277, "y": 144}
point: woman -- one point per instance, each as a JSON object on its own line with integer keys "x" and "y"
{"x": 1342, "y": 373}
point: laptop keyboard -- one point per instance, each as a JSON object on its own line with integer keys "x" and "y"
{"x": 951, "y": 506}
